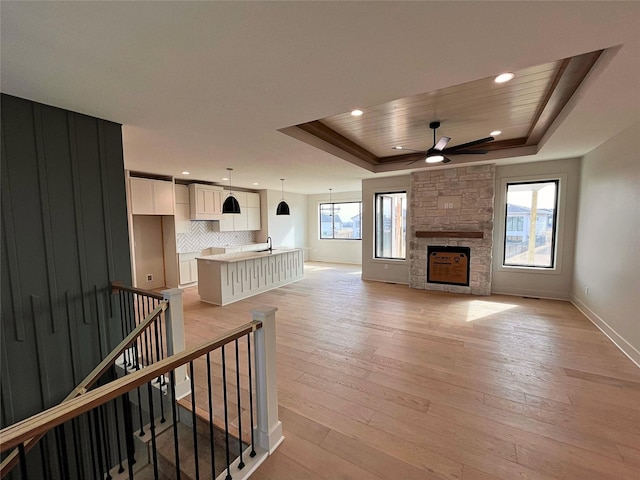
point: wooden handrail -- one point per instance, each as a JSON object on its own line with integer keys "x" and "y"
{"x": 119, "y": 286}
{"x": 11, "y": 460}
{"x": 42, "y": 422}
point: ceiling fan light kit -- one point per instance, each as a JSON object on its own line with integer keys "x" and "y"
{"x": 283, "y": 207}
{"x": 439, "y": 151}
{"x": 230, "y": 204}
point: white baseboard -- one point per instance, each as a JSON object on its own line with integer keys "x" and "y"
{"x": 531, "y": 294}
{"x": 624, "y": 346}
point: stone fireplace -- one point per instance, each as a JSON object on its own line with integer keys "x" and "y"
{"x": 452, "y": 208}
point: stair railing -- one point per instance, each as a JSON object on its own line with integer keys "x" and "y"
{"x": 87, "y": 422}
{"x": 12, "y": 459}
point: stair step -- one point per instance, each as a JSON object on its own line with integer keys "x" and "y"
{"x": 166, "y": 453}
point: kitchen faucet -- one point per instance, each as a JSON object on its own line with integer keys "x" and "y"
{"x": 270, "y": 244}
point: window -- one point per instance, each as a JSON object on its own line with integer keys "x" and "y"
{"x": 391, "y": 225}
{"x": 530, "y": 224}
{"x": 341, "y": 220}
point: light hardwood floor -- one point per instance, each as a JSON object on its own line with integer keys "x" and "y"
{"x": 379, "y": 381}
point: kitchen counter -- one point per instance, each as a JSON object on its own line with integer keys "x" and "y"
{"x": 228, "y": 277}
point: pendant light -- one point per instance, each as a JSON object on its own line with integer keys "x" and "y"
{"x": 230, "y": 204}
{"x": 283, "y": 208}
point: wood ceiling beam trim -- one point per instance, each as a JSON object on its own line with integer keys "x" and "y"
{"x": 571, "y": 74}
{"x": 332, "y": 137}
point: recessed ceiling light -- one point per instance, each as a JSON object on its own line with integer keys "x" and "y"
{"x": 186, "y": 173}
{"x": 255, "y": 183}
{"x": 225, "y": 178}
{"x": 357, "y": 112}
{"x": 398, "y": 147}
{"x": 495, "y": 133}
{"x": 504, "y": 77}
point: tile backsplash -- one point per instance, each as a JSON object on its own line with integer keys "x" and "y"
{"x": 202, "y": 235}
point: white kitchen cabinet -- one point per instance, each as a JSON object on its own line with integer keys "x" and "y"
{"x": 183, "y": 221}
{"x": 182, "y": 218}
{"x": 205, "y": 202}
{"x": 188, "y": 266}
{"x": 151, "y": 197}
{"x": 249, "y": 217}
{"x": 182, "y": 194}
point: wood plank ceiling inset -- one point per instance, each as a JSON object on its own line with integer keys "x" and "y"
{"x": 523, "y": 109}
{"x": 467, "y": 112}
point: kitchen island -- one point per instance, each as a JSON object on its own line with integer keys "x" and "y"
{"x": 228, "y": 277}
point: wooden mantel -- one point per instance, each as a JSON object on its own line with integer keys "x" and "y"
{"x": 450, "y": 234}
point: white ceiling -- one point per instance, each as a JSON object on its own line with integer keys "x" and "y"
{"x": 203, "y": 86}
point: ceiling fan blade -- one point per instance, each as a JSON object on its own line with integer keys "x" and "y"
{"x": 442, "y": 143}
{"x": 467, "y": 152}
{"x": 470, "y": 144}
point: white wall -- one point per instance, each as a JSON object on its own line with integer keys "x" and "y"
{"x": 608, "y": 240}
{"x": 538, "y": 282}
{"x": 330, "y": 250}
{"x": 285, "y": 230}
{"x": 384, "y": 270}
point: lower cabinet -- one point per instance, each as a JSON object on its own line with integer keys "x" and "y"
{"x": 188, "y": 266}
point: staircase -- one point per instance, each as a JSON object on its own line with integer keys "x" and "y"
{"x": 106, "y": 431}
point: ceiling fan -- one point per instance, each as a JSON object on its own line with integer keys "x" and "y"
{"x": 438, "y": 152}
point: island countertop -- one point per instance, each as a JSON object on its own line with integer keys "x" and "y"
{"x": 228, "y": 277}
{"x": 238, "y": 256}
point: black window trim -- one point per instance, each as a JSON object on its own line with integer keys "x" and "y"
{"x": 555, "y": 224}
{"x": 375, "y": 224}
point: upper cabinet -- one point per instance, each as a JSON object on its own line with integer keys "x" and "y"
{"x": 249, "y": 217}
{"x": 205, "y": 201}
{"x": 151, "y": 197}
{"x": 183, "y": 222}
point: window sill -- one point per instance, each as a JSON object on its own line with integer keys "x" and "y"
{"x": 534, "y": 270}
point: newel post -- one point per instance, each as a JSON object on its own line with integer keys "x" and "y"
{"x": 269, "y": 429}
{"x": 174, "y": 330}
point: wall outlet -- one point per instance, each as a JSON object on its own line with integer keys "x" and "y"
{"x": 386, "y": 266}
{"x": 586, "y": 291}
{"x": 149, "y": 277}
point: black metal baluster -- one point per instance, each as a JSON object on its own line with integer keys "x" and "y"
{"x": 211, "y": 442}
{"x": 226, "y": 412}
{"x": 253, "y": 449}
{"x": 241, "y": 464}
{"x": 194, "y": 419}
{"x": 128, "y": 433}
{"x": 172, "y": 380}
{"x": 61, "y": 442}
{"x": 157, "y": 302}
{"x": 43, "y": 460}
{"x": 105, "y": 440}
{"x": 117, "y": 423}
{"x": 94, "y": 463}
{"x": 96, "y": 423}
{"x": 158, "y": 380}
{"x": 23, "y": 462}
{"x": 76, "y": 451}
{"x": 156, "y": 342}
{"x": 141, "y": 433}
{"x": 154, "y": 449}
{"x": 131, "y": 321}
{"x": 123, "y": 328}
{"x": 143, "y": 348}
{"x": 147, "y": 344}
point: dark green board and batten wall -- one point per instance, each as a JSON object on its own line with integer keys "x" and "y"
{"x": 64, "y": 238}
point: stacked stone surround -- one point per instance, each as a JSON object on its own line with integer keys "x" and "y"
{"x": 476, "y": 187}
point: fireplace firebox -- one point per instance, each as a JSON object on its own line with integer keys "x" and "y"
{"x": 448, "y": 265}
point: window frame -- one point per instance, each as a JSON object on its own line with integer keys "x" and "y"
{"x": 376, "y": 195}
{"x": 558, "y": 228}
{"x": 333, "y": 237}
